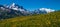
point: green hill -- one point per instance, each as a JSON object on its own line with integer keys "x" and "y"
{"x": 40, "y": 20}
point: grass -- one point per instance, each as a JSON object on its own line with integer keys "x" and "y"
{"x": 40, "y": 20}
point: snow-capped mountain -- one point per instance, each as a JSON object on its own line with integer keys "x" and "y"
{"x": 48, "y": 10}
{"x": 13, "y": 10}
{"x": 43, "y": 10}
{"x": 16, "y": 7}
{"x": 16, "y": 10}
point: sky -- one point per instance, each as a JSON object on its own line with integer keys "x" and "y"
{"x": 34, "y": 4}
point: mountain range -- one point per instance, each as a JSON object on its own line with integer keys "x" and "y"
{"x": 13, "y": 10}
{"x": 38, "y": 20}
{"x": 17, "y": 16}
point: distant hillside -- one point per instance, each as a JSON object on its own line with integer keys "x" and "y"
{"x": 39, "y": 20}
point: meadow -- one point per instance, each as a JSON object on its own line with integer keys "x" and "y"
{"x": 36, "y": 20}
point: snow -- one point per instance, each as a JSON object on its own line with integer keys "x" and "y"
{"x": 21, "y": 9}
{"x": 13, "y": 4}
{"x": 14, "y": 8}
{"x": 47, "y": 10}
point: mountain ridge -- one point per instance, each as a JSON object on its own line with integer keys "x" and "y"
{"x": 16, "y": 10}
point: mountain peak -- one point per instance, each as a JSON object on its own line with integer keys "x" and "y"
{"x": 13, "y": 4}
{"x": 48, "y": 10}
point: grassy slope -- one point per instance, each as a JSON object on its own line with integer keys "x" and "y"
{"x": 46, "y": 20}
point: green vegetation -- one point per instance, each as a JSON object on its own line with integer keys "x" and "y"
{"x": 40, "y": 20}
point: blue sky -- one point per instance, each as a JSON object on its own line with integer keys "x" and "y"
{"x": 34, "y": 4}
